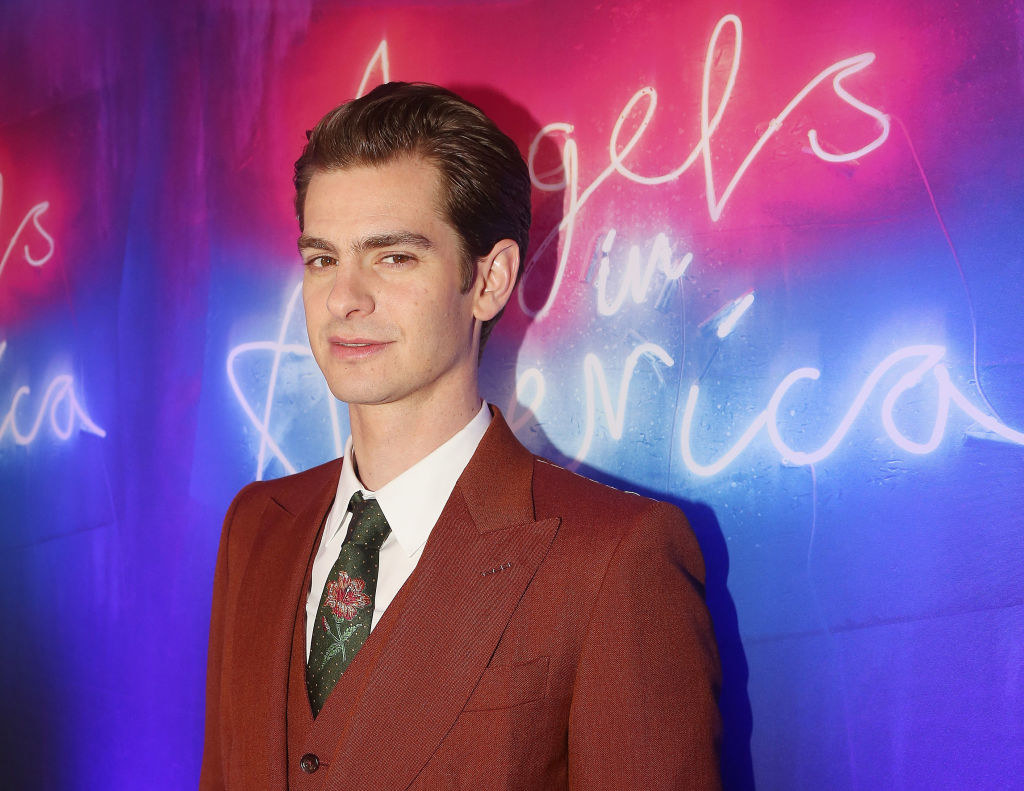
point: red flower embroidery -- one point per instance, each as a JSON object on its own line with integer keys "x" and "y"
{"x": 345, "y": 597}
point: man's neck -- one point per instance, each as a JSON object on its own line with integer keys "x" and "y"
{"x": 388, "y": 439}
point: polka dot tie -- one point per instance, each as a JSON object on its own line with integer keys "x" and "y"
{"x": 346, "y": 606}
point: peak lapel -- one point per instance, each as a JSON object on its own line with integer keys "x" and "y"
{"x": 498, "y": 481}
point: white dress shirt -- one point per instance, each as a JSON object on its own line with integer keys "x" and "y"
{"x": 412, "y": 503}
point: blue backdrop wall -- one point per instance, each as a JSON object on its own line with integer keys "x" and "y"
{"x": 776, "y": 278}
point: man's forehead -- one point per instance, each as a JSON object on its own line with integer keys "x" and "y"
{"x": 400, "y": 196}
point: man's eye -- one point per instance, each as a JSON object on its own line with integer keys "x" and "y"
{"x": 396, "y": 259}
{"x": 319, "y": 261}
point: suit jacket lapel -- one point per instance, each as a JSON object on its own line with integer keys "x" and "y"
{"x": 481, "y": 556}
{"x": 280, "y": 556}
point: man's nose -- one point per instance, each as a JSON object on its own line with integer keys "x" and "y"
{"x": 351, "y": 292}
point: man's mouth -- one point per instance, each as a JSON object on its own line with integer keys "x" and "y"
{"x": 356, "y": 342}
{"x": 356, "y": 347}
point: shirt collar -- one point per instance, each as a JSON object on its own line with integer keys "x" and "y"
{"x": 413, "y": 501}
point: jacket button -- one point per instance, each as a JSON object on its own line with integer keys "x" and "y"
{"x": 309, "y": 763}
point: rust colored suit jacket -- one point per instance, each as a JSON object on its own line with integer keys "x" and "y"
{"x": 552, "y": 636}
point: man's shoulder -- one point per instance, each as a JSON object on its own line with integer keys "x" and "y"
{"x": 291, "y": 491}
{"x": 558, "y": 490}
{"x": 598, "y": 522}
{"x": 261, "y": 504}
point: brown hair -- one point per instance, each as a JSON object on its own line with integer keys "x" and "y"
{"x": 485, "y": 185}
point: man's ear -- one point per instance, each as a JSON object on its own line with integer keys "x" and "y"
{"x": 495, "y": 279}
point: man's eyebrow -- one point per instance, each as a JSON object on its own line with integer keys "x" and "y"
{"x": 373, "y": 242}
{"x": 392, "y": 239}
{"x": 307, "y": 242}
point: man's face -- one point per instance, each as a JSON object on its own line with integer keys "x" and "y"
{"x": 386, "y": 318}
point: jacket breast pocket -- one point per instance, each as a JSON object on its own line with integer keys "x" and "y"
{"x": 510, "y": 685}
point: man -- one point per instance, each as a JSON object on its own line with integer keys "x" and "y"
{"x": 440, "y": 609}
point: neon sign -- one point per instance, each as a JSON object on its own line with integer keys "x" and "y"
{"x": 636, "y": 283}
{"x": 702, "y": 151}
{"x": 930, "y": 357}
{"x": 768, "y": 420}
{"x": 637, "y": 280}
{"x": 32, "y": 215}
{"x": 59, "y": 402}
{"x": 598, "y": 392}
{"x": 277, "y": 348}
{"x": 594, "y": 376}
{"x": 59, "y": 399}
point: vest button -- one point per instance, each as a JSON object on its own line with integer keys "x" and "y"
{"x": 309, "y": 763}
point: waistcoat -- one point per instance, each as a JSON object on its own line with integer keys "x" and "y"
{"x": 314, "y": 743}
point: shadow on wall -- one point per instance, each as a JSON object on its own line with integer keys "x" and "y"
{"x": 734, "y": 702}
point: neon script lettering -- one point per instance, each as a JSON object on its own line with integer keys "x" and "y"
{"x": 615, "y": 416}
{"x": 702, "y": 151}
{"x": 636, "y": 279}
{"x": 60, "y": 404}
{"x": 929, "y": 360}
{"x": 278, "y": 348}
{"x": 32, "y": 216}
{"x": 378, "y": 65}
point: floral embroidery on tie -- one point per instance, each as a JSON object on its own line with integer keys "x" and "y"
{"x": 345, "y": 598}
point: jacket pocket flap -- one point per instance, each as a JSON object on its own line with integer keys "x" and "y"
{"x": 511, "y": 685}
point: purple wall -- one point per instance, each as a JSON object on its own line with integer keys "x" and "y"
{"x": 776, "y": 278}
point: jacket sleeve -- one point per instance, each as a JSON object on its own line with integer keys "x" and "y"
{"x": 215, "y": 746}
{"x": 644, "y": 713}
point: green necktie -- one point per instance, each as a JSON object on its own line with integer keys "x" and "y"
{"x": 346, "y": 606}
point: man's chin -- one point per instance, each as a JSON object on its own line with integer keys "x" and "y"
{"x": 371, "y": 395}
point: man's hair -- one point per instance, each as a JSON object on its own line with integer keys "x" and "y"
{"x": 485, "y": 185}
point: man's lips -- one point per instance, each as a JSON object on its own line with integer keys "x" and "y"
{"x": 348, "y": 348}
{"x": 356, "y": 341}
